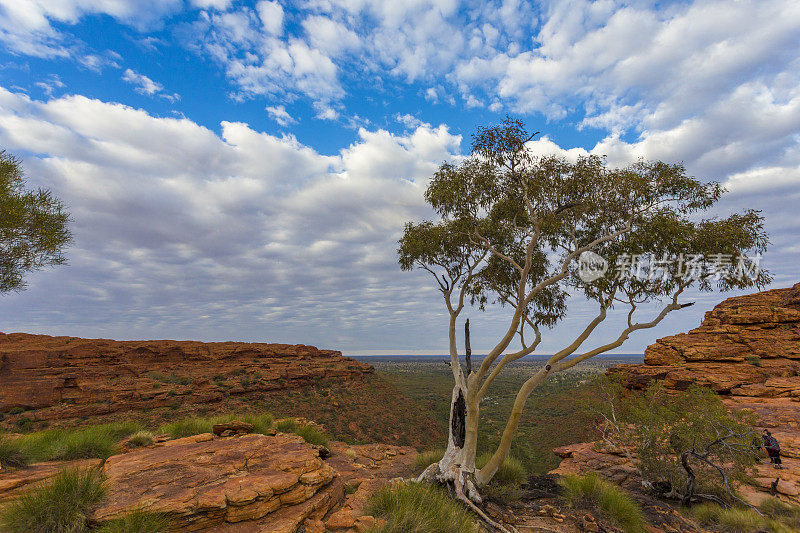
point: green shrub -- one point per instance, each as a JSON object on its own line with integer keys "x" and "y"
{"x": 425, "y": 459}
{"x": 16, "y": 410}
{"x": 779, "y": 510}
{"x": 99, "y": 441}
{"x": 511, "y": 471}
{"x": 419, "y": 508}
{"x": 286, "y": 425}
{"x": 11, "y": 453}
{"x": 608, "y": 497}
{"x": 312, "y": 435}
{"x": 141, "y": 438}
{"x": 135, "y": 522}
{"x": 779, "y": 517}
{"x": 186, "y": 427}
{"x": 59, "y": 506}
{"x": 262, "y": 422}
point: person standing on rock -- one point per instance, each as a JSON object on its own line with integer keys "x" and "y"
{"x": 773, "y": 449}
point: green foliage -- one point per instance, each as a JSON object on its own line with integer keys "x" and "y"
{"x": 99, "y": 441}
{"x": 660, "y": 426}
{"x": 33, "y": 227}
{"x": 425, "y": 459}
{"x": 16, "y": 410}
{"x": 511, "y": 471}
{"x": 11, "y": 454}
{"x": 753, "y": 360}
{"x": 171, "y": 378}
{"x": 781, "y": 511}
{"x": 743, "y": 520}
{"x": 312, "y": 435}
{"x": 611, "y": 499}
{"x": 419, "y": 508}
{"x": 59, "y": 506}
{"x": 135, "y": 522}
{"x": 286, "y": 425}
{"x": 262, "y": 422}
{"x": 140, "y": 438}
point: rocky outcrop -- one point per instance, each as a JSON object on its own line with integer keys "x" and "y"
{"x": 246, "y": 483}
{"x": 747, "y": 349}
{"x": 69, "y": 377}
{"x": 746, "y": 346}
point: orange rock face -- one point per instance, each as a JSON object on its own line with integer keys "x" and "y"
{"x": 68, "y": 377}
{"x": 746, "y": 346}
{"x": 748, "y": 350}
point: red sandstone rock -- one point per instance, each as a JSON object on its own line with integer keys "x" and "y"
{"x": 68, "y": 377}
{"x": 748, "y": 350}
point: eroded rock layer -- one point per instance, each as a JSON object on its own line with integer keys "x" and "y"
{"x": 747, "y": 349}
{"x": 68, "y": 377}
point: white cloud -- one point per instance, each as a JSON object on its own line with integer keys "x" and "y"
{"x": 144, "y": 85}
{"x": 264, "y": 235}
{"x": 280, "y": 115}
{"x": 271, "y": 15}
{"x": 26, "y": 25}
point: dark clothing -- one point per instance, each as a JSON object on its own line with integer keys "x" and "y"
{"x": 773, "y": 449}
{"x": 774, "y": 456}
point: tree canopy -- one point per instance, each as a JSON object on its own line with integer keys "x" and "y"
{"x": 536, "y": 233}
{"x": 33, "y": 227}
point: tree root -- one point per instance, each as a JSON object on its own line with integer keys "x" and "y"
{"x": 458, "y": 485}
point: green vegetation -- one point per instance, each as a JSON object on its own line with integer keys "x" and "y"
{"x": 60, "y": 506}
{"x": 507, "y": 485}
{"x": 419, "y": 508}
{"x": 555, "y": 414}
{"x": 11, "y": 454}
{"x": 33, "y": 227}
{"x": 99, "y": 441}
{"x": 693, "y": 427}
{"x": 141, "y": 438}
{"x": 170, "y": 378}
{"x": 262, "y": 422}
{"x": 425, "y": 459}
{"x": 286, "y": 425}
{"x": 312, "y": 435}
{"x": 778, "y": 517}
{"x": 135, "y": 522}
{"x": 611, "y": 499}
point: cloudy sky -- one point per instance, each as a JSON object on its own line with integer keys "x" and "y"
{"x": 242, "y": 171}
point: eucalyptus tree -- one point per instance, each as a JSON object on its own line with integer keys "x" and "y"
{"x": 33, "y": 227}
{"x": 536, "y": 234}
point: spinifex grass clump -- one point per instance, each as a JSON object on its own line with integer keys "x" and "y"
{"x": 778, "y": 517}
{"x": 425, "y": 459}
{"x": 262, "y": 422}
{"x": 101, "y": 441}
{"x": 421, "y": 508}
{"x": 611, "y": 499}
{"x": 58, "y": 506}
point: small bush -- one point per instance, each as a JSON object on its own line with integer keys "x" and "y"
{"x": 419, "y": 508}
{"x": 511, "y": 471}
{"x": 16, "y": 410}
{"x": 286, "y": 425}
{"x": 60, "y": 506}
{"x": 608, "y": 497}
{"x": 186, "y": 427}
{"x": 11, "y": 453}
{"x": 312, "y": 435}
{"x": 779, "y": 517}
{"x": 135, "y": 522}
{"x": 782, "y": 511}
{"x": 262, "y": 422}
{"x": 140, "y": 438}
{"x": 58, "y": 444}
{"x": 425, "y": 459}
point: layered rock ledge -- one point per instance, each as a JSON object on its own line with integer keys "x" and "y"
{"x": 70, "y": 377}
{"x": 747, "y": 349}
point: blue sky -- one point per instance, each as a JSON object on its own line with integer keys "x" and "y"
{"x": 242, "y": 170}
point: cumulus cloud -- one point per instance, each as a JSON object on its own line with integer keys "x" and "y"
{"x": 26, "y": 26}
{"x": 280, "y": 115}
{"x": 261, "y": 234}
